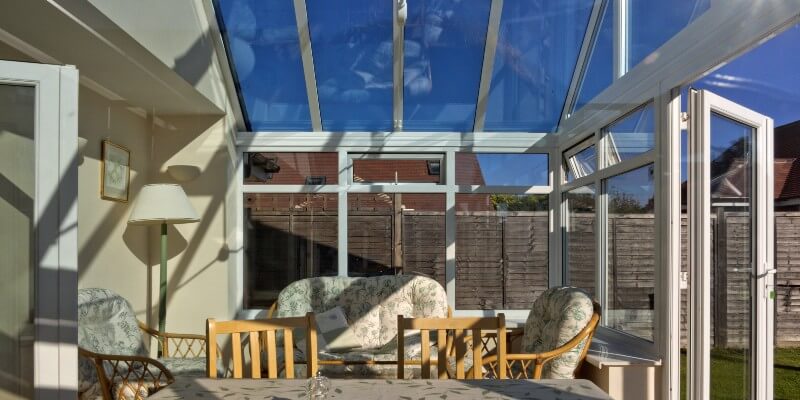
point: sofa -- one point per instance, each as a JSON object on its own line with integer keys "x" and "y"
{"x": 371, "y": 306}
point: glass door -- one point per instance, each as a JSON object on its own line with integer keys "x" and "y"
{"x": 38, "y": 257}
{"x": 730, "y": 250}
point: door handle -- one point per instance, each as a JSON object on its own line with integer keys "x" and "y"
{"x": 768, "y": 271}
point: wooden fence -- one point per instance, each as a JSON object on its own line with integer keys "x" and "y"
{"x": 502, "y": 261}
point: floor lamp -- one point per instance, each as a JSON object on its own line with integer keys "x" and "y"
{"x": 162, "y": 204}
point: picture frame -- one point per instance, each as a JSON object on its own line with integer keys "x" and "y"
{"x": 115, "y": 172}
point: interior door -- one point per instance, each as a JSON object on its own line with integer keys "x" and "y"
{"x": 730, "y": 249}
{"x": 38, "y": 233}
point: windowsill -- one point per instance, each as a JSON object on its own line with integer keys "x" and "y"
{"x": 615, "y": 349}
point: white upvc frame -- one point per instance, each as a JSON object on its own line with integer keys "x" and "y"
{"x": 56, "y": 224}
{"x": 598, "y": 136}
{"x": 702, "y": 105}
{"x": 392, "y": 146}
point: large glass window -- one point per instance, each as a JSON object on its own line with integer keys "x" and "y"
{"x": 580, "y": 244}
{"x": 537, "y": 48}
{"x": 391, "y": 233}
{"x": 18, "y": 233}
{"x": 496, "y": 169}
{"x": 501, "y": 250}
{"x": 352, "y": 43}
{"x": 264, "y": 48}
{"x": 287, "y": 237}
{"x": 443, "y": 55}
{"x": 631, "y": 242}
{"x": 632, "y": 135}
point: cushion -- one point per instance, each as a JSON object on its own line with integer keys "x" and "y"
{"x": 556, "y": 317}
{"x": 106, "y": 324}
{"x": 333, "y": 332}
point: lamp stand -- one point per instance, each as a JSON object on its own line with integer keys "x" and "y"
{"x": 162, "y": 300}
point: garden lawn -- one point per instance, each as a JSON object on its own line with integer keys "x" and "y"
{"x": 728, "y": 374}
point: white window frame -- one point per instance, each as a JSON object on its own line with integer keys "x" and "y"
{"x": 400, "y": 145}
{"x": 598, "y": 136}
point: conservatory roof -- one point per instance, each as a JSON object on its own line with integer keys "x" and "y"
{"x": 429, "y": 65}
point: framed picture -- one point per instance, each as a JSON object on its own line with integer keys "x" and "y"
{"x": 115, "y": 172}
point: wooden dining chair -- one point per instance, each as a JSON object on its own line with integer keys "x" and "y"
{"x": 262, "y": 337}
{"x": 453, "y": 333}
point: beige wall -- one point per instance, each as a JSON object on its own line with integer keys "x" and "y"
{"x": 126, "y": 258}
{"x": 199, "y": 255}
{"x": 112, "y": 254}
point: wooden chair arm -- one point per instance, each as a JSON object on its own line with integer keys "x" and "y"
{"x": 130, "y": 376}
{"x": 183, "y": 345}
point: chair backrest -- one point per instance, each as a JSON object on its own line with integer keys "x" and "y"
{"x": 557, "y": 317}
{"x": 453, "y": 332}
{"x": 107, "y": 324}
{"x": 262, "y": 331}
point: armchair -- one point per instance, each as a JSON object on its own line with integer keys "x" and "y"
{"x": 114, "y": 361}
{"x": 556, "y": 338}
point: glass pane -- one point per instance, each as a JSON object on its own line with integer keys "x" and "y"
{"x": 398, "y": 232}
{"x": 291, "y": 168}
{"x": 288, "y": 237}
{"x": 501, "y": 250}
{"x": 583, "y": 163}
{"x": 17, "y": 263}
{"x": 352, "y": 44}
{"x": 376, "y": 170}
{"x": 631, "y": 136}
{"x": 502, "y": 169}
{"x": 537, "y": 48}
{"x": 630, "y": 280}
{"x": 599, "y": 71}
{"x": 653, "y": 23}
{"x": 731, "y": 288}
{"x": 650, "y": 24}
{"x": 264, "y": 48}
{"x": 580, "y": 244}
{"x": 443, "y": 50}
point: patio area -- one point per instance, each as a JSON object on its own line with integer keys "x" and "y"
{"x": 412, "y": 198}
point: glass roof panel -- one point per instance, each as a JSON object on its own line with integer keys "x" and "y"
{"x": 537, "y": 48}
{"x": 650, "y": 24}
{"x": 443, "y": 57}
{"x": 263, "y": 46}
{"x": 351, "y": 41}
{"x": 600, "y": 70}
{"x": 653, "y": 23}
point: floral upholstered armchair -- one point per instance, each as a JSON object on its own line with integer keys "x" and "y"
{"x": 114, "y": 361}
{"x": 556, "y": 337}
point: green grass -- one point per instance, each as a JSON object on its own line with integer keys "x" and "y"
{"x": 729, "y": 374}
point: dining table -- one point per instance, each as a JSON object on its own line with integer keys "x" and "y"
{"x": 405, "y": 389}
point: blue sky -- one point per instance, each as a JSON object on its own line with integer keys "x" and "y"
{"x": 765, "y": 79}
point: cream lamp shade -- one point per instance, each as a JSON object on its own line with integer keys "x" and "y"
{"x": 162, "y": 203}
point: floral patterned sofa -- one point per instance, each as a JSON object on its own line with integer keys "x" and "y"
{"x": 371, "y": 305}
{"x": 114, "y": 360}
